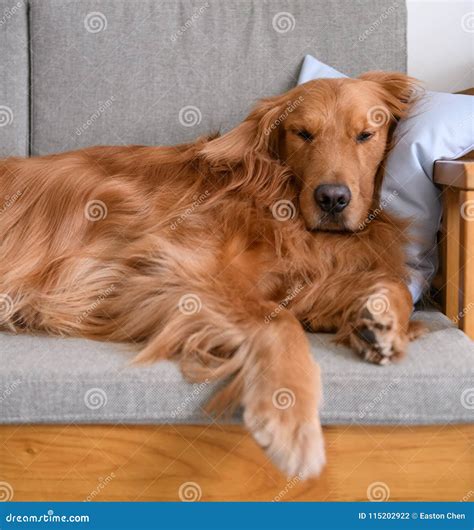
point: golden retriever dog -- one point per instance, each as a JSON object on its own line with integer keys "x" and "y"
{"x": 221, "y": 252}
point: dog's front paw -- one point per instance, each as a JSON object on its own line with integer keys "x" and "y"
{"x": 293, "y": 442}
{"x": 377, "y": 335}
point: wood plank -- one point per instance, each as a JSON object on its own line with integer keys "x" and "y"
{"x": 451, "y": 253}
{"x": 152, "y": 463}
{"x": 467, "y": 262}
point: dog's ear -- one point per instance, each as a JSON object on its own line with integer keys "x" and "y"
{"x": 257, "y": 134}
{"x": 399, "y": 91}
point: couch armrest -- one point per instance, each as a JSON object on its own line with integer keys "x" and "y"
{"x": 456, "y": 177}
{"x": 456, "y": 173}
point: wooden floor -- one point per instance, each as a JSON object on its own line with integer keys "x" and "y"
{"x": 214, "y": 463}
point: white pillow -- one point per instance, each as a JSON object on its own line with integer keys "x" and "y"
{"x": 440, "y": 126}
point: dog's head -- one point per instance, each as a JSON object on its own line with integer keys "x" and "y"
{"x": 333, "y": 135}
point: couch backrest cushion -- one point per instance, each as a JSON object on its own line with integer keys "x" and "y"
{"x": 165, "y": 71}
{"x": 14, "y": 111}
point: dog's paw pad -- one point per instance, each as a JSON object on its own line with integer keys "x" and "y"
{"x": 375, "y": 335}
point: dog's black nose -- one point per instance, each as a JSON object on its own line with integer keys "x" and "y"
{"x": 332, "y": 197}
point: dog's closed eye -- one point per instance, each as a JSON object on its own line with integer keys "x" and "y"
{"x": 304, "y": 135}
{"x": 364, "y": 136}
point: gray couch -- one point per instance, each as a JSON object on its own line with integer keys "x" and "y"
{"x": 83, "y": 72}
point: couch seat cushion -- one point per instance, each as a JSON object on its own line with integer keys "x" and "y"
{"x": 55, "y": 380}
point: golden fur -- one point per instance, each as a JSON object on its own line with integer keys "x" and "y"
{"x": 215, "y": 252}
